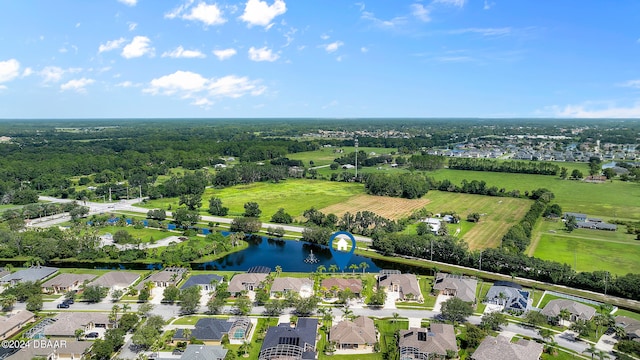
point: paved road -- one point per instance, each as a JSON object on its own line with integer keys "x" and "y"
{"x": 128, "y": 205}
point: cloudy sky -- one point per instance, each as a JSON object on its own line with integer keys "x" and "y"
{"x": 319, "y": 58}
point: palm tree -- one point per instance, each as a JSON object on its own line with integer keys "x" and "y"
{"x": 321, "y": 269}
{"x": 113, "y": 316}
{"x": 546, "y": 334}
{"x": 353, "y": 268}
{"x": 245, "y": 347}
{"x": 333, "y": 268}
{"x": 347, "y": 313}
{"x": 364, "y": 266}
{"x": 125, "y": 308}
{"x": 621, "y": 333}
{"x": 396, "y": 316}
{"x": 186, "y": 334}
{"x": 78, "y": 333}
{"x": 564, "y": 315}
{"x": 592, "y": 349}
{"x": 278, "y": 270}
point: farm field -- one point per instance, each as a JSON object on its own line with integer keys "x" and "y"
{"x": 389, "y": 207}
{"x": 589, "y": 254}
{"x": 610, "y": 199}
{"x": 325, "y": 156}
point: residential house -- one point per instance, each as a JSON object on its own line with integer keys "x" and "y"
{"x": 577, "y": 216}
{"x": 65, "y": 282}
{"x": 462, "y": 287}
{"x": 116, "y": 280}
{"x": 357, "y": 334}
{"x": 211, "y": 330}
{"x": 630, "y": 326}
{"x": 433, "y": 223}
{"x": 54, "y": 350}
{"x": 406, "y": 285}
{"x": 291, "y": 343}
{"x": 246, "y": 282}
{"x": 501, "y": 348}
{"x": 510, "y": 295}
{"x": 33, "y": 274}
{"x": 168, "y": 276}
{"x": 301, "y": 286}
{"x": 66, "y": 323}
{"x": 12, "y": 323}
{"x": 420, "y": 343}
{"x": 207, "y": 282}
{"x": 577, "y": 310}
{"x": 341, "y": 284}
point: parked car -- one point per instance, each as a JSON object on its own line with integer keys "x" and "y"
{"x": 63, "y": 306}
{"x": 91, "y": 335}
{"x": 69, "y": 301}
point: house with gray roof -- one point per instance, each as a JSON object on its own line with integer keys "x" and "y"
{"x": 67, "y": 350}
{"x": 577, "y": 216}
{"x": 207, "y": 282}
{"x": 406, "y": 285}
{"x": 12, "y": 323}
{"x": 208, "y": 330}
{"x": 166, "y": 277}
{"x": 421, "y": 343}
{"x": 577, "y": 310}
{"x": 204, "y": 352}
{"x": 357, "y": 334}
{"x": 501, "y": 348}
{"x": 462, "y": 287}
{"x": 291, "y": 343}
{"x": 510, "y": 295}
{"x": 631, "y": 327}
{"x": 33, "y": 274}
{"x": 301, "y": 286}
{"x": 116, "y": 279}
{"x": 65, "y": 282}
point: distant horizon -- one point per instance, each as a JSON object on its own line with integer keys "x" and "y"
{"x": 328, "y": 118}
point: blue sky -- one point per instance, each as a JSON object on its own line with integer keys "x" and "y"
{"x": 319, "y": 58}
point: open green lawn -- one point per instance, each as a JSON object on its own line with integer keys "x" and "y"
{"x": 610, "y": 199}
{"x": 325, "y": 156}
{"x": 145, "y": 234}
{"x": 589, "y": 255}
{"x": 294, "y": 195}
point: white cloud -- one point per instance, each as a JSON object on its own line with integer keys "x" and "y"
{"x": 420, "y": 12}
{"x": 190, "y": 85}
{"x": 458, "y": 3}
{"x": 364, "y": 49}
{"x": 111, "y": 45}
{"x": 27, "y": 72}
{"x": 488, "y": 4}
{"x": 180, "y": 52}
{"x": 632, "y": 84}
{"x": 209, "y": 14}
{"x": 128, "y": 84}
{"x": 138, "y": 47}
{"x": 385, "y": 24}
{"x": 129, "y": 2}
{"x": 77, "y": 25}
{"x": 324, "y": 37}
{"x": 260, "y": 13}
{"x": 483, "y": 31}
{"x": 332, "y": 47}
{"x": 77, "y": 84}
{"x": 262, "y": 54}
{"x": 595, "y": 110}
{"x": 9, "y": 70}
{"x": 52, "y": 74}
{"x": 2, "y": 87}
{"x": 224, "y": 54}
{"x": 132, "y": 25}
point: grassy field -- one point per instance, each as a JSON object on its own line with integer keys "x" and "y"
{"x": 388, "y": 207}
{"x": 610, "y": 199}
{"x": 499, "y": 214}
{"x": 589, "y": 254}
{"x": 325, "y": 156}
{"x": 145, "y": 234}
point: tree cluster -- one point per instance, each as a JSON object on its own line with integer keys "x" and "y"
{"x": 520, "y": 167}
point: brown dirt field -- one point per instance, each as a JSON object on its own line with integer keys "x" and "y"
{"x": 388, "y": 207}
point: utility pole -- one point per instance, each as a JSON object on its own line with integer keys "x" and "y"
{"x": 480, "y": 268}
{"x": 140, "y": 188}
{"x": 356, "y": 144}
{"x": 109, "y": 194}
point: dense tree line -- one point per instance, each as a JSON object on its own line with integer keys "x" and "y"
{"x": 523, "y": 167}
{"x": 250, "y": 173}
{"x": 518, "y": 237}
{"x": 427, "y": 162}
{"x": 362, "y": 222}
{"x": 452, "y": 250}
{"x": 408, "y": 186}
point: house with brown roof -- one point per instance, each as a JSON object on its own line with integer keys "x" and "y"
{"x": 246, "y": 282}
{"x": 420, "y": 343}
{"x": 341, "y": 284}
{"x": 12, "y": 323}
{"x": 301, "y": 286}
{"x": 357, "y": 334}
{"x": 406, "y": 285}
{"x": 501, "y": 348}
{"x": 578, "y": 310}
{"x": 65, "y": 282}
{"x": 462, "y": 287}
{"x": 66, "y": 323}
{"x": 116, "y": 280}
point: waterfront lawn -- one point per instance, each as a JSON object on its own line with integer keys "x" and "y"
{"x": 589, "y": 254}
{"x": 627, "y": 313}
{"x": 145, "y": 235}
